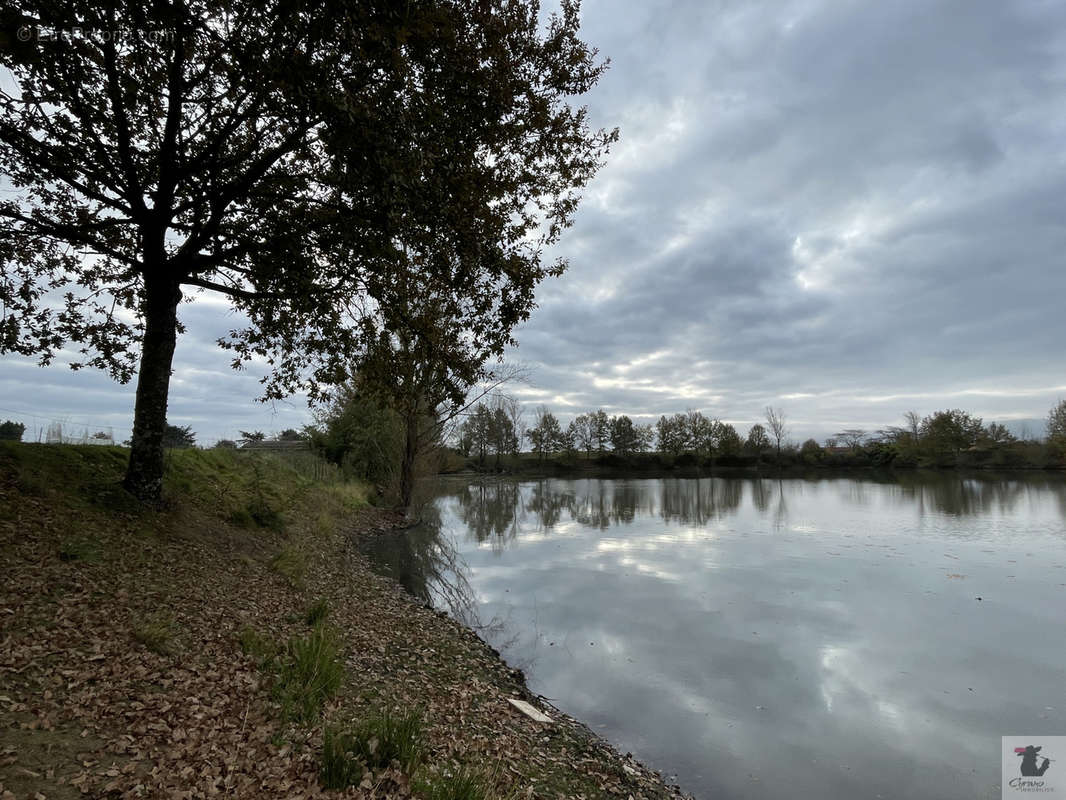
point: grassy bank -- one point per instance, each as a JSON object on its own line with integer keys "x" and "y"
{"x": 235, "y": 643}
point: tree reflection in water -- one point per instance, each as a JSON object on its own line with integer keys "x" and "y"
{"x": 697, "y": 501}
{"x": 652, "y": 579}
{"x": 954, "y": 493}
{"x": 424, "y": 560}
{"x": 489, "y": 510}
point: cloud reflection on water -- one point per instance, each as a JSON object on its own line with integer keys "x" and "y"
{"x": 779, "y": 638}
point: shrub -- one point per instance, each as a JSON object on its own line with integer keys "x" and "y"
{"x": 11, "y": 431}
{"x": 179, "y": 436}
{"x": 78, "y": 548}
{"x": 266, "y": 517}
{"x": 241, "y": 518}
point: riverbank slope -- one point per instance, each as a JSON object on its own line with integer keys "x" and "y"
{"x": 203, "y": 649}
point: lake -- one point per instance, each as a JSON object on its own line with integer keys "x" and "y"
{"x": 765, "y": 638}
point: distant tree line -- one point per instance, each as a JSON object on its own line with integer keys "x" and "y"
{"x": 494, "y": 432}
{"x": 951, "y": 437}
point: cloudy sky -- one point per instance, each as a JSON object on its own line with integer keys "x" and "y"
{"x": 844, "y": 209}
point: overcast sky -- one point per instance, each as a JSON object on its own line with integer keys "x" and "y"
{"x": 844, "y": 209}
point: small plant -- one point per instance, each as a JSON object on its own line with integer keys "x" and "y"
{"x": 375, "y": 743}
{"x": 310, "y": 674}
{"x": 340, "y": 767}
{"x": 318, "y": 612}
{"x": 259, "y": 647}
{"x": 385, "y": 737}
{"x": 291, "y": 563}
{"x": 462, "y": 785}
{"x": 156, "y": 634}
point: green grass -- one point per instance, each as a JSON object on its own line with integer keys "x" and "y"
{"x": 291, "y": 564}
{"x": 339, "y": 767}
{"x": 259, "y": 647}
{"x": 307, "y": 670}
{"x": 386, "y": 737}
{"x": 156, "y": 633}
{"x": 311, "y": 673}
{"x": 465, "y": 784}
{"x": 374, "y": 743}
{"x": 249, "y": 489}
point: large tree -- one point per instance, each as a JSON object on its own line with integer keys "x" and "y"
{"x": 546, "y": 436}
{"x": 700, "y": 434}
{"x": 758, "y": 442}
{"x": 777, "y": 426}
{"x": 583, "y": 426}
{"x": 673, "y": 434}
{"x": 950, "y": 432}
{"x": 299, "y": 159}
{"x": 624, "y": 438}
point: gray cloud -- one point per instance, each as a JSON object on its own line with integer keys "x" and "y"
{"x": 844, "y": 209}
{"x": 848, "y": 211}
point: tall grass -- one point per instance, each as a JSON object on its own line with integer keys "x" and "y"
{"x": 291, "y": 564}
{"x": 466, "y": 784}
{"x": 156, "y": 633}
{"x": 311, "y": 673}
{"x": 374, "y": 743}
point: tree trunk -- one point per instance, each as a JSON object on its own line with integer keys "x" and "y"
{"x": 407, "y": 466}
{"x": 144, "y": 475}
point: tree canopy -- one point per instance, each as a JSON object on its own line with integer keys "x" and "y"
{"x": 325, "y": 167}
{"x": 950, "y": 431}
{"x": 11, "y": 431}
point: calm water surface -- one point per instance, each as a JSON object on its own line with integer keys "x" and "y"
{"x": 771, "y": 638}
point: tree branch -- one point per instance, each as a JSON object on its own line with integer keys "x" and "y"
{"x": 134, "y": 190}
{"x": 68, "y": 233}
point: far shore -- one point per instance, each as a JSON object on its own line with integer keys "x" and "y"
{"x": 655, "y": 466}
